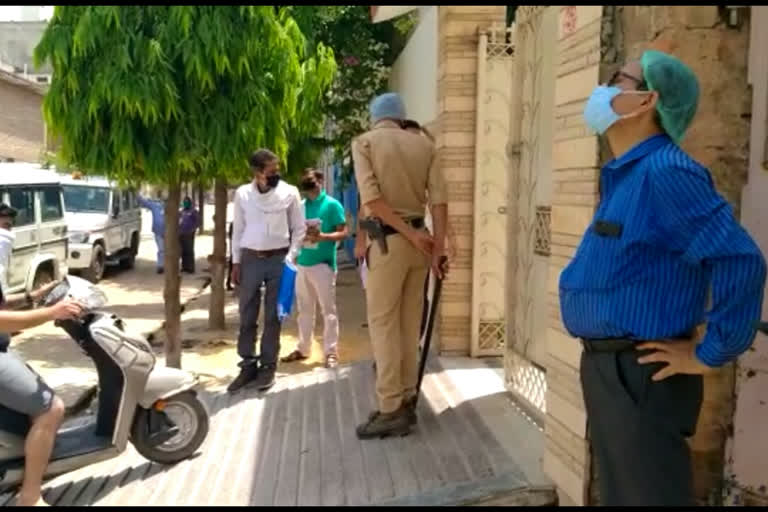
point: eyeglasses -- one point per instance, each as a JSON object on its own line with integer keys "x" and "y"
{"x": 640, "y": 84}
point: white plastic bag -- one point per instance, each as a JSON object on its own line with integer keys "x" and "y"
{"x": 363, "y": 272}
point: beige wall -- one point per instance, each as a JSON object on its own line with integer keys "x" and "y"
{"x": 574, "y": 197}
{"x": 746, "y": 476}
{"x": 457, "y": 98}
{"x": 414, "y": 74}
{"x": 21, "y": 122}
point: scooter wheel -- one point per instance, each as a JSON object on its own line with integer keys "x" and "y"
{"x": 189, "y": 415}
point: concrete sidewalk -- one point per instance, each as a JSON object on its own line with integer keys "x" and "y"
{"x": 295, "y": 445}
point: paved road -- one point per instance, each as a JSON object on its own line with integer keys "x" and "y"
{"x": 136, "y": 295}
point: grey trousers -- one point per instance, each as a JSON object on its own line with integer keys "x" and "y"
{"x": 638, "y": 429}
{"x": 254, "y": 272}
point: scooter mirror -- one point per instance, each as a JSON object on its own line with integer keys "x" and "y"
{"x": 79, "y": 289}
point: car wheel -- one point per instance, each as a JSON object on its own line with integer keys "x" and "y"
{"x": 95, "y": 271}
{"x": 129, "y": 261}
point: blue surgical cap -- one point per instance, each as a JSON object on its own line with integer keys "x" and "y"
{"x": 387, "y": 106}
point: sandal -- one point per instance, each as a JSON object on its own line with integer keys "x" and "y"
{"x": 294, "y": 356}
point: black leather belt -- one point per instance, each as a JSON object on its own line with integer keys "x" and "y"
{"x": 621, "y": 344}
{"x": 417, "y": 223}
{"x": 266, "y": 254}
{"x": 608, "y": 345}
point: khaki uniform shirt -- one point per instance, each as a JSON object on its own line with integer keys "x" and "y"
{"x": 399, "y": 166}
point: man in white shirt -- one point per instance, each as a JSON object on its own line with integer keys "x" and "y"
{"x": 268, "y": 230}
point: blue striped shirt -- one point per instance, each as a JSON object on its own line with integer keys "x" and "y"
{"x": 660, "y": 238}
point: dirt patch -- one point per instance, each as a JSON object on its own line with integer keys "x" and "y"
{"x": 213, "y": 354}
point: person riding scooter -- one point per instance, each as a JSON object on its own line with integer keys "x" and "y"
{"x": 21, "y": 388}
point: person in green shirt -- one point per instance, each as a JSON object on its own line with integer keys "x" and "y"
{"x": 316, "y": 278}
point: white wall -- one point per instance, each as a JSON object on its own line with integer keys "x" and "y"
{"x": 414, "y": 74}
{"x": 25, "y": 12}
{"x": 747, "y": 465}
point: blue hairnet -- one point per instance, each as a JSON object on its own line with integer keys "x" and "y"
{"x": 387, "y": 106}
{"x": 678, "y": 91}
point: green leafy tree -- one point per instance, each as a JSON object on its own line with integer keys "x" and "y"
{"x": 364, "y": 53}
{"x": 317, "y": 69}
{"x": 152, "y": 94}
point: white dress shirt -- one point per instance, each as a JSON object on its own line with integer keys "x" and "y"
{"x": 264, "y": 222}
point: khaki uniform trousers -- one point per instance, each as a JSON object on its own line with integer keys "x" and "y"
{"x": 395, "y": 298}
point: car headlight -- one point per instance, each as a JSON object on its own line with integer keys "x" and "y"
{"x": 79, "y": 237}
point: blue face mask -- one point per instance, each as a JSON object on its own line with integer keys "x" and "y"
{"x": 598, "y": 112}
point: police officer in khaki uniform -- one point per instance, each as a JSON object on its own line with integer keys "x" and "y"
{"x": 397, "y": 171}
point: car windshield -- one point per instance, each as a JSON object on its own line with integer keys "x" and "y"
{"x": 80, "y": 199}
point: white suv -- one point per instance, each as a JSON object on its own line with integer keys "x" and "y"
{"x": 104, "y": 225}
{"x": 39, "y": 252}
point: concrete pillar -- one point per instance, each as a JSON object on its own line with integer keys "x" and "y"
{"x": 457, "y": 99}
{"x": 575, "y": 163}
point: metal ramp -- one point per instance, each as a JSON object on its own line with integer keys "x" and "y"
{"x": 295, "y": 445}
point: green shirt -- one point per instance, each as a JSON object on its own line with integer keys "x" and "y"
{"x": 331, "y": 214}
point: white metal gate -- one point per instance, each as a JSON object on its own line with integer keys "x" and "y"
{"x": 531, "y": 170}
{"x": 494, "y": 78}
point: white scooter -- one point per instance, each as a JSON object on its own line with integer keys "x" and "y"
{"x": 156, "y": 409}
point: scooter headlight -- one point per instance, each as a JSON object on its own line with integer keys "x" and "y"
{"x": 79, "y": 237}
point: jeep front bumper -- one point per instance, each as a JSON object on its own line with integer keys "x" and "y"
{"x": 79, "y": 257}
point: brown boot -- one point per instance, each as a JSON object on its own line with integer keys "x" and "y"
{"x": 381, "y": 425}
{"x": 410, "y": 406}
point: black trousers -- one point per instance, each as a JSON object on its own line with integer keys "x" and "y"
{"x": 187, "y": 252}
{"x": 638, "y": 429}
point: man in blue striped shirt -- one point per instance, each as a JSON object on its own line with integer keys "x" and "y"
{"x": 661, "y": 241}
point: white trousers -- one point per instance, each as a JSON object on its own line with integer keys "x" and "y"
{"x": 317, "y": 285}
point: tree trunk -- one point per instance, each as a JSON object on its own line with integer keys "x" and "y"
{"x": 216, "y": 319}
{"x": 201, "y": 203}
{"x": 172, "y": 289}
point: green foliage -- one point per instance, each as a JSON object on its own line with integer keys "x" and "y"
{"x": 364, "y": 53}
{"x": 164, "y": 94}
{"x": 405, "y": 24}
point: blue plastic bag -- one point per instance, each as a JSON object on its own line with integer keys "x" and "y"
{"x": 287, "y": 291}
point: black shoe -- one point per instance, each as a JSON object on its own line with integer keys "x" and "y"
{"x": 249, "y": 372}
{"x": 410, "y": 407}
{"x": 160, "y": 271}
{"x": 265, "y": 379}
{"x": 381, "y": 425}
